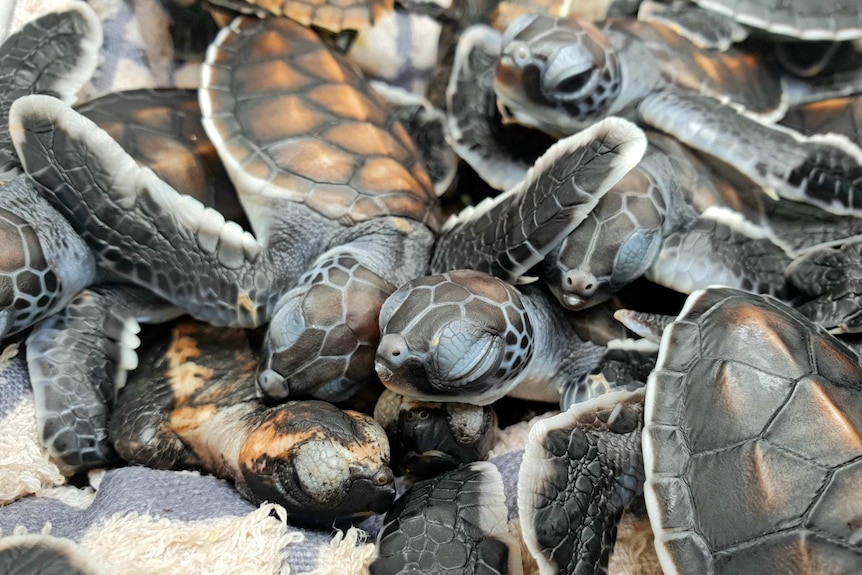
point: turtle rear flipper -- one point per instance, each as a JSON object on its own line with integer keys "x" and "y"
{"x": 720, "y": 248}
{"x": 138, "y": 225}
{"x": 78, "y": 360}
{"x": 581, "y": 470}
{"x": 55, "y": 54}
{"x": 824, "y": 170}
{"x": 507, "y": 235}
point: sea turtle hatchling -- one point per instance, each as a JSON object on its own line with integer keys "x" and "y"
{"x": 427, "y": 438}
{"x": 333, "y": 189}
{"x": 465, "y": 336}
{"x": 560, "y": 75}
{"x": 193, "y": 403}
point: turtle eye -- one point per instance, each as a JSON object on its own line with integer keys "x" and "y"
{"x": 467, "y": 354}
{"x": 570, "y": 74}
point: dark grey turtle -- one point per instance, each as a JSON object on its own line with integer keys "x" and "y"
{"x": 193, "y": 403}
{"x": 465, "y": 336}
{"x": 427, "y": 438}
{"x": 561, "y": 75}
{"x": 453, "y": 523}
{"x": 334, "y": 190}
{"x": 581, "y": 470}
{"x": 753, "y": 441}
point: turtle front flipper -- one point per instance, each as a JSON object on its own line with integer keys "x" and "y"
{"x": 138, "y": 225}
{"x": 453, "y": 523}
{"x": 78, "y": 360}
{"x": 475, "y": 131}
{"x": 720, "y": 249}
{"x": 508, "y": 235}
{"x": 55, "y": 54}
{"x": 824, "y": 170}
{"x": 623, "y": 368}
{"x": 581, "y": 470}
{"x": 829, "y": 285}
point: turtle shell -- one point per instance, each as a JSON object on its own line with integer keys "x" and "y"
{"x": 753, "y": 441}
{"x": 803, "y": 19}
{"x": 331, "y": 15}
{"x": 162, "y": 129}
{"x": 294, "y": 121}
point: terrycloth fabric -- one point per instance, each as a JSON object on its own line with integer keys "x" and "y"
{"x": 139, "y": 520}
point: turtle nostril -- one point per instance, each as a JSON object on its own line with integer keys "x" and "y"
{"x": 569, "y": 280}
{"x": 392, "y": 348}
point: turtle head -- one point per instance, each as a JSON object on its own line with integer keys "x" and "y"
{"x": 608, "y": 250}
{"x": 321, "y": 341}
{"x": 463, "y": 336}
{"x": 321, "y": 463}
{"x": 428, "y": 438}
{"x": 558, "y": 75}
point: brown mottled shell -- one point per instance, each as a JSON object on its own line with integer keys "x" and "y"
{"x": 161, "y": 129}
{"x": 294, "y": 121}
{"x": 331, "y": 15}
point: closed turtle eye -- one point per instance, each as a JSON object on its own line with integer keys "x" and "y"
{"x": 570, "y": 74}
{"x": 467, "y": 354}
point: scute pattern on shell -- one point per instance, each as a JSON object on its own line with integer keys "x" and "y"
{"x": 300, "y": 124}
{"x": 331, "y": 15}
{"x": 753, "y": 440}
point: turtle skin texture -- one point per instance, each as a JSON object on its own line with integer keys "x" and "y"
{"x": 581, "y": 470}
{"x": 753, "y": 441}
{"x": 193, "y": 403}
{"x": 454, "y": 523}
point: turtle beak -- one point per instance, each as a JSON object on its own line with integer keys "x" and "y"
{"x": 398, "y": 367}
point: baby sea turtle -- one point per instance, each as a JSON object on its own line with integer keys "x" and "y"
{"x": 427, "y": 438}
{"x": 561, "y": 75}
{"x": 453, "y": 523}
{"x": 749, "y": 393}
{"x": 465, "y": 336}
{"x": 337, "y": 196}
{"x": 193, "y": 403}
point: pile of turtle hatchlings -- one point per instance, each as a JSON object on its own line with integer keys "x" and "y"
{"x": 653, "y": 224}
